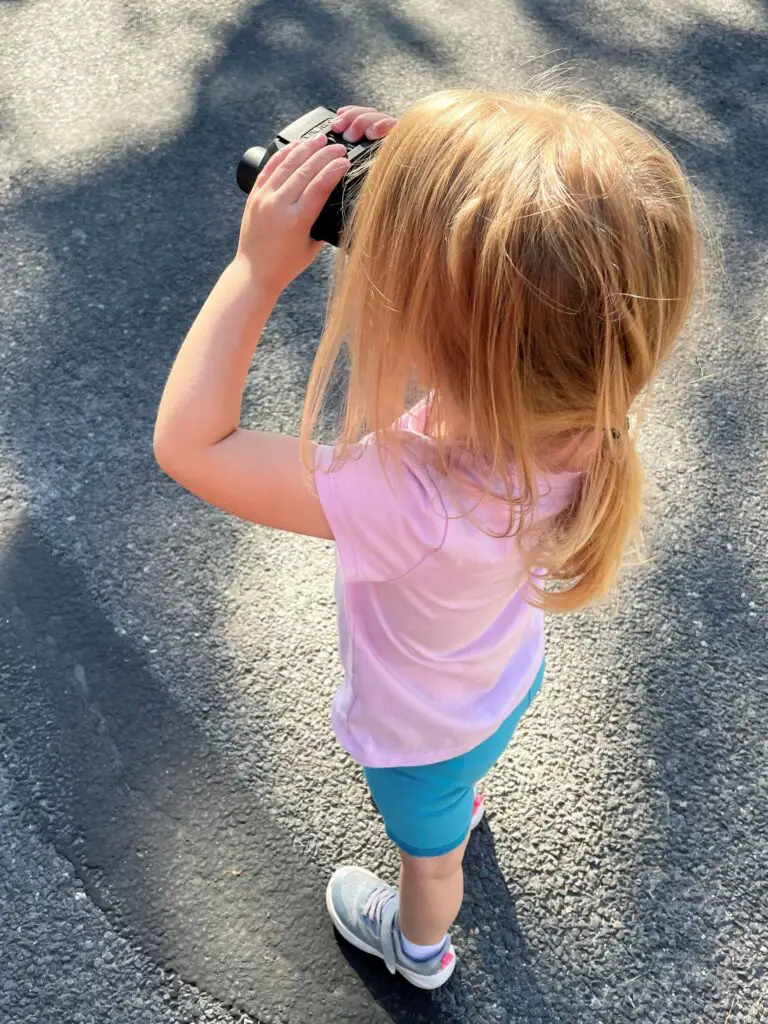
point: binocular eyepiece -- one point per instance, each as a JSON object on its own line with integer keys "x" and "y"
{"x": 330, "y": 224}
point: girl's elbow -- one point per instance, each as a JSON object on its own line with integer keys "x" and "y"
{"x": 167, "y": 454}
{"x": 182, "y": 462}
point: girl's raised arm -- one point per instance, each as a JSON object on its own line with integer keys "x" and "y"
{"x": 198, "y": 440}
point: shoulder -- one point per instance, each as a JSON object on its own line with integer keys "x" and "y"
{"x": 382, "y": 502}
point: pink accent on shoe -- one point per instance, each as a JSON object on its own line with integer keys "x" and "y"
{"x": 447, "y": 960}
{"x": 478, "y": 810}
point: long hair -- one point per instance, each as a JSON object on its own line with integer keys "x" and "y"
{"x": 527, "y": 263}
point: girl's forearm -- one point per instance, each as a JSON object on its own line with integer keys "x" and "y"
{"x": 202, "y": 399}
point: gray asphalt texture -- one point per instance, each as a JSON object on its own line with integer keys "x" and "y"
{"x": 172, "y": 800}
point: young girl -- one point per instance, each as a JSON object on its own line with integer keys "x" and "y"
{"x": 514, "y": 273}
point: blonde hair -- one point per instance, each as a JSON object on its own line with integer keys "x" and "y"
{"x": 526, "y": 262}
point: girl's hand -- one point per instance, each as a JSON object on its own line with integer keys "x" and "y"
{"x": 282, "y": 207}
{"x": 356, "y": 122}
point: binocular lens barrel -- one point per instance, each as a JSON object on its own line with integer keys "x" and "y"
{"x": 250, "y": 164}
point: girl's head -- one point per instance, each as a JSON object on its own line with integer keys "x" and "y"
{"x": 527, "y": 262}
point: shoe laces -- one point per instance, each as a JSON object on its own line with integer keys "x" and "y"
{"x": 374, "y": 905}
{"x": 381, "y": 909}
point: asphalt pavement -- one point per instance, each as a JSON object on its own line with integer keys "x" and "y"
{"x": 172, "y": 800}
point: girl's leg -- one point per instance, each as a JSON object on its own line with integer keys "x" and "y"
{"x": 424, "y": 809}
{"x": 431, "y": 891}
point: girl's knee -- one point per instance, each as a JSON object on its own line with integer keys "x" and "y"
{"x": 434, "y": 868}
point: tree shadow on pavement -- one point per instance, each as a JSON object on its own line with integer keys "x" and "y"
{"x": 178, "y": 851}
{"x": 691, "y": 645}
{"x": 157, "y": 825}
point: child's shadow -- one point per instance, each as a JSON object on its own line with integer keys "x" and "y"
{"x": 494, "y": 962}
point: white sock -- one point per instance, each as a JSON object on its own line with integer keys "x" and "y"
{"x": 420, "y": 952}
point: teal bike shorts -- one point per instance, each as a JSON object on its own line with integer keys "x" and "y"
{"x": 427, "y": 809}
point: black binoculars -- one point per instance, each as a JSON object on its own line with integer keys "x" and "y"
{"x": 330, "y": 224}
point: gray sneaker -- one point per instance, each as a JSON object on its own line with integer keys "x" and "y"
{"x": 364, "y": 910}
